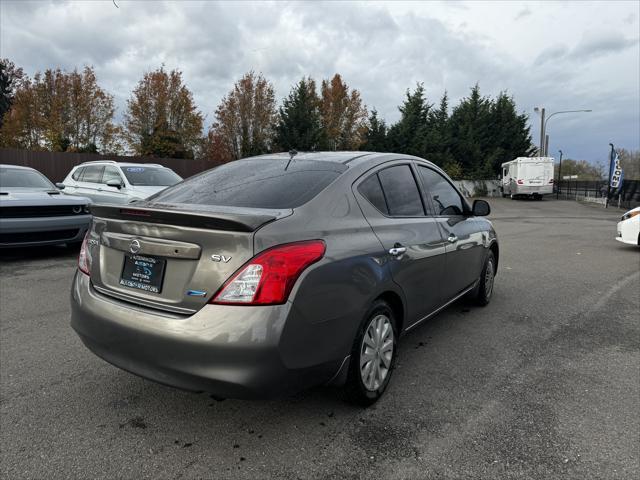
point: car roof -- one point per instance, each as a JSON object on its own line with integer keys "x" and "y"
{"x": 342, "y": 157}
{"x": 19, "y": 167}
{"x": 362, "y": 159}
{"x": 113, "y": 162}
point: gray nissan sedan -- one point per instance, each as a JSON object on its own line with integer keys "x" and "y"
{"x": 271, "y": 274}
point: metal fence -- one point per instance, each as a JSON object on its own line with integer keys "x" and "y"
{"x": 627, "y": 197}
{"x": 56, "y": 165}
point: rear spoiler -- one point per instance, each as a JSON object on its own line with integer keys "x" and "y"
{"x": 244, "y": 220}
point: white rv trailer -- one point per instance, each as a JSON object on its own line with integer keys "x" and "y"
{"x": 527, "y": 176}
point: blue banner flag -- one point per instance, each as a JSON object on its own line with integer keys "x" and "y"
{"x": 616, "y": 175}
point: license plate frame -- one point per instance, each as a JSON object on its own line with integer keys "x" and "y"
{"x": 143, "y": 272}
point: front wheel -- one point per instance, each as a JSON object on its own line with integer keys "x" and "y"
{"x": 373, "y": 356}
{"x": 481, "y": 295}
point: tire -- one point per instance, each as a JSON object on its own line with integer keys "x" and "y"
{"x": 365, "y": 385}
{"x": 481, "y": 295}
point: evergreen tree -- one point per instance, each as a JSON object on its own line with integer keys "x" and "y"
{"x": 408, "y": 134}
{"x": 11, "y": 78}
{"x": 510, "y": 135}
{"x": 470, "y": 125}
{"x": 438, "y": 135}
{"x": 299, "y": 120}
{"x": 376, "y": 134}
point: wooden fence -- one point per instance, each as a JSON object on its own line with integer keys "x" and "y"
{"x": 56, "y": 165}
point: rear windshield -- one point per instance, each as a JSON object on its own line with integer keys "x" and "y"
{"x": 19, "y": 178}
{"x": 150, "y": 176}
{"x": 255, "y": 183}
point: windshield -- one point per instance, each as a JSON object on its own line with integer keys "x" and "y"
{"x": 255, "y": 183}
{"x": 151, "y": 176}
{"x": 19, "y": 178}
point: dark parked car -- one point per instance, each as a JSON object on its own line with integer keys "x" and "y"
{"x": 275, "y": 273}
{"x": 34, "y": 212}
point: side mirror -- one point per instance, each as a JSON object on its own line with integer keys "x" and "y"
{"x": 481, "y": 208}
{"x": 114, "y": 183}
{"x": 60, "y": 185}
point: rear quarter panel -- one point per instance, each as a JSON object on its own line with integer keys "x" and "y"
{"x": 331, "y": 297}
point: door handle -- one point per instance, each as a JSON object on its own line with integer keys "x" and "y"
{"x": 397, "y": 251}
{"x": 452, "y": 238}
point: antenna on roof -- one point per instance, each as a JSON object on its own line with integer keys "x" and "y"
{"x": 293, "y": 153}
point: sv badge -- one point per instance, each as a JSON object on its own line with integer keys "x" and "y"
{"x": 220, "y": 258}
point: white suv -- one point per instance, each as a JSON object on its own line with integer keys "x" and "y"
{"x": 108, "y": 181}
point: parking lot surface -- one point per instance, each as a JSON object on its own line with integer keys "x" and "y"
{"x": 542, "y": 383}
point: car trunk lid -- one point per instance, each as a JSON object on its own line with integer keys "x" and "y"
{"x": 171, "y": 257}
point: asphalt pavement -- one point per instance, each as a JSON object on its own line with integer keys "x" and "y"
{"x": 542, "y": 383}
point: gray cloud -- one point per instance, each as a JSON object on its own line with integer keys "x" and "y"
{"x": 525, "y": 12}
{"x": 589, "y": 47}
{"x": 601, "y": 45}
{"x": 379, "y": 48}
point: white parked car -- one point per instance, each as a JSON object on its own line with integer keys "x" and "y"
{"x": 107, "y": 181}
{"x": 629, "y": 227}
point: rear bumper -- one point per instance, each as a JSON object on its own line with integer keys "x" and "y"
{"x": 533, "y": 190}
{"x": 21, "y": 232}
{"x": 229, "y": 351}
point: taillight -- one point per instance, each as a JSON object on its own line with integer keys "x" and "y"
{"x": 520, "y": 182}
{"x": 267, "y": 279}
{"x": 84, "y": 260}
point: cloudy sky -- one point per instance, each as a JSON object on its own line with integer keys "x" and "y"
{"x": 563, "y": 56}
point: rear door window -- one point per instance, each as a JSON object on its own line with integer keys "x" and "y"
{"x": 271, "y": 183}
{"x": 401, "y": 191}
{"x": 444, "y": 197}
{"x": 92, "y": 174}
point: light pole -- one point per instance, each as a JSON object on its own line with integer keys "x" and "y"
{"x": 543, "y": 125}
{"x": 559, "y": 176}
{"x": 541, "y": 149}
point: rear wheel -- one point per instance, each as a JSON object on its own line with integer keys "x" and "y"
{"x": 481, "y": 295}
{"x": 373, "y": 356}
